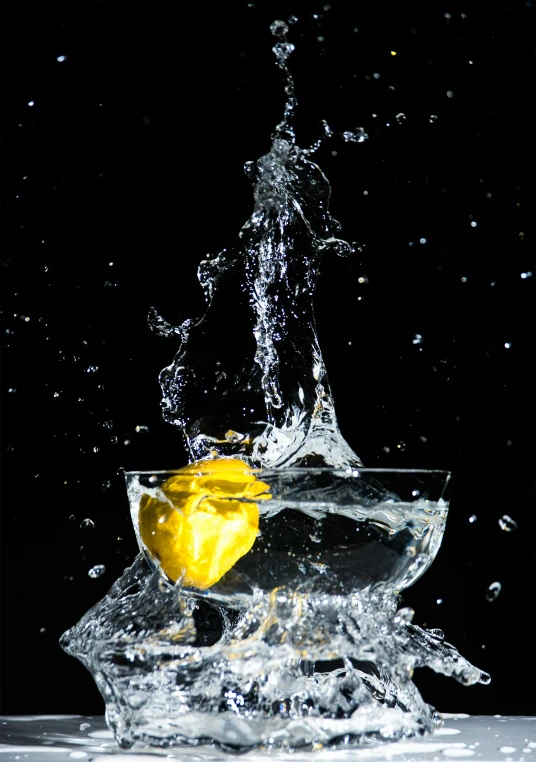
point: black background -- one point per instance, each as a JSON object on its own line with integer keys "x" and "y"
{"x": 127, "y": 170}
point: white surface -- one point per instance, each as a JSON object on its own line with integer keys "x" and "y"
{"x": 48, "y": 738}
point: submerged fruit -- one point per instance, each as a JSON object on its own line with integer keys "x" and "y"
{"x": 202, "y": 520}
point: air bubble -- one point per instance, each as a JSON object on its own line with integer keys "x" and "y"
{"x": 87, "y": 524}
{"x": 526, "y": 275}
{"x": 417, "y": 339}
{"x": 279, "y": 29}
{"x": 92, "y": 369}
{"x": 400, "y": 118}
{"x": 96, "y": 571}
{"x": 507, "y": 523}
{"x": 472, "y": 518}
{"x": 106, "y": 484}
{"x": 493, "y": 591}
{"x": 142, "y": 429}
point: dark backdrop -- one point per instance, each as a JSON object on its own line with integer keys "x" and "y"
{"x": 122, "y": 168}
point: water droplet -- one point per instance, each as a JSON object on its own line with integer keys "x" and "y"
{"x": 31, "y": 103}
{"x": 526, "y": 275}
{"x": 96, "y": 571}
{"x": 96, "y": 449}
{"x": 87, "y": 524}
{"x": 85, "y": 726}
{"x": 279, "y": 29}
{"x": 401, "y": 446}
{"x": 450, "y": 94}
{"x": 153, "y": 479}
{"x": 472, "y": 518}
{"x": 439, "y": 601}
{"x": 433, "y": 118}
{"x": 415, "y": 493}
{"x": 142, "y": 429}
{"x": 61, "y": 59}
{"x": 417, "y": 339}
{"x": 474, "y": 224}
{"x": 507, "y": 345}
{"x": 463, "y": 279}
{"x": 106, "y": 484}
{"x": 507, "y": 749}
{"x": 92, "y": 369}
{"x": 507, "y": 523}
{"x": 293, "y": 20}
{"x": 493, "y": 591}
{"x": 126, "y": 442}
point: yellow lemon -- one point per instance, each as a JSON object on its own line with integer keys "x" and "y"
{"x": 204, "y": 521}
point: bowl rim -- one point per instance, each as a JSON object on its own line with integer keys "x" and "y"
{"x": 350, "y": 471}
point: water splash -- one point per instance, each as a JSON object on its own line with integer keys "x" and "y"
{"x": 295, "y": 666}
{"x": 254, "y": 385}
{"x": 248, "y": 678}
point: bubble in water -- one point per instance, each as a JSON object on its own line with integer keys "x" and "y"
{"x": 507, "y": 523}
{"x": 526, "y": 275}
{"x": 87, "y": 524}
{"x": 142, "y": 429}
{"x": 108, "y": 424}
{"x": 106, "y": 484}
{"x": 279, "y": 29}
{"x": 293, "y": 20}
{"x": 417, "y": 339}
{"x": 472, "y": 518}
{"x": 92, "y": 369}
{"x": 400, "y": 118}
{"x": 493, "y": 591}
{"x": 72, "y": 517}
{"x": 96, "y": 571}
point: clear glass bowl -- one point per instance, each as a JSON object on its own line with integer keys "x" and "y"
{"x": 321, "y": 530}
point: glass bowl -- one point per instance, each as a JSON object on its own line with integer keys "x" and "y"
{"x": 308, "y": 530}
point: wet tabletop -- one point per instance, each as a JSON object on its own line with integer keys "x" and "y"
{"x": 64, "y": 737}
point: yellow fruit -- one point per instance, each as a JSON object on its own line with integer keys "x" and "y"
{"x": 206, "y": 522}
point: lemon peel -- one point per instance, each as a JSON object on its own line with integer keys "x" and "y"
{"x": 205, "y": 522}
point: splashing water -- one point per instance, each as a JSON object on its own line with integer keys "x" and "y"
{"x": 298, "y": 664}
{"x": 263, "y": 394}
